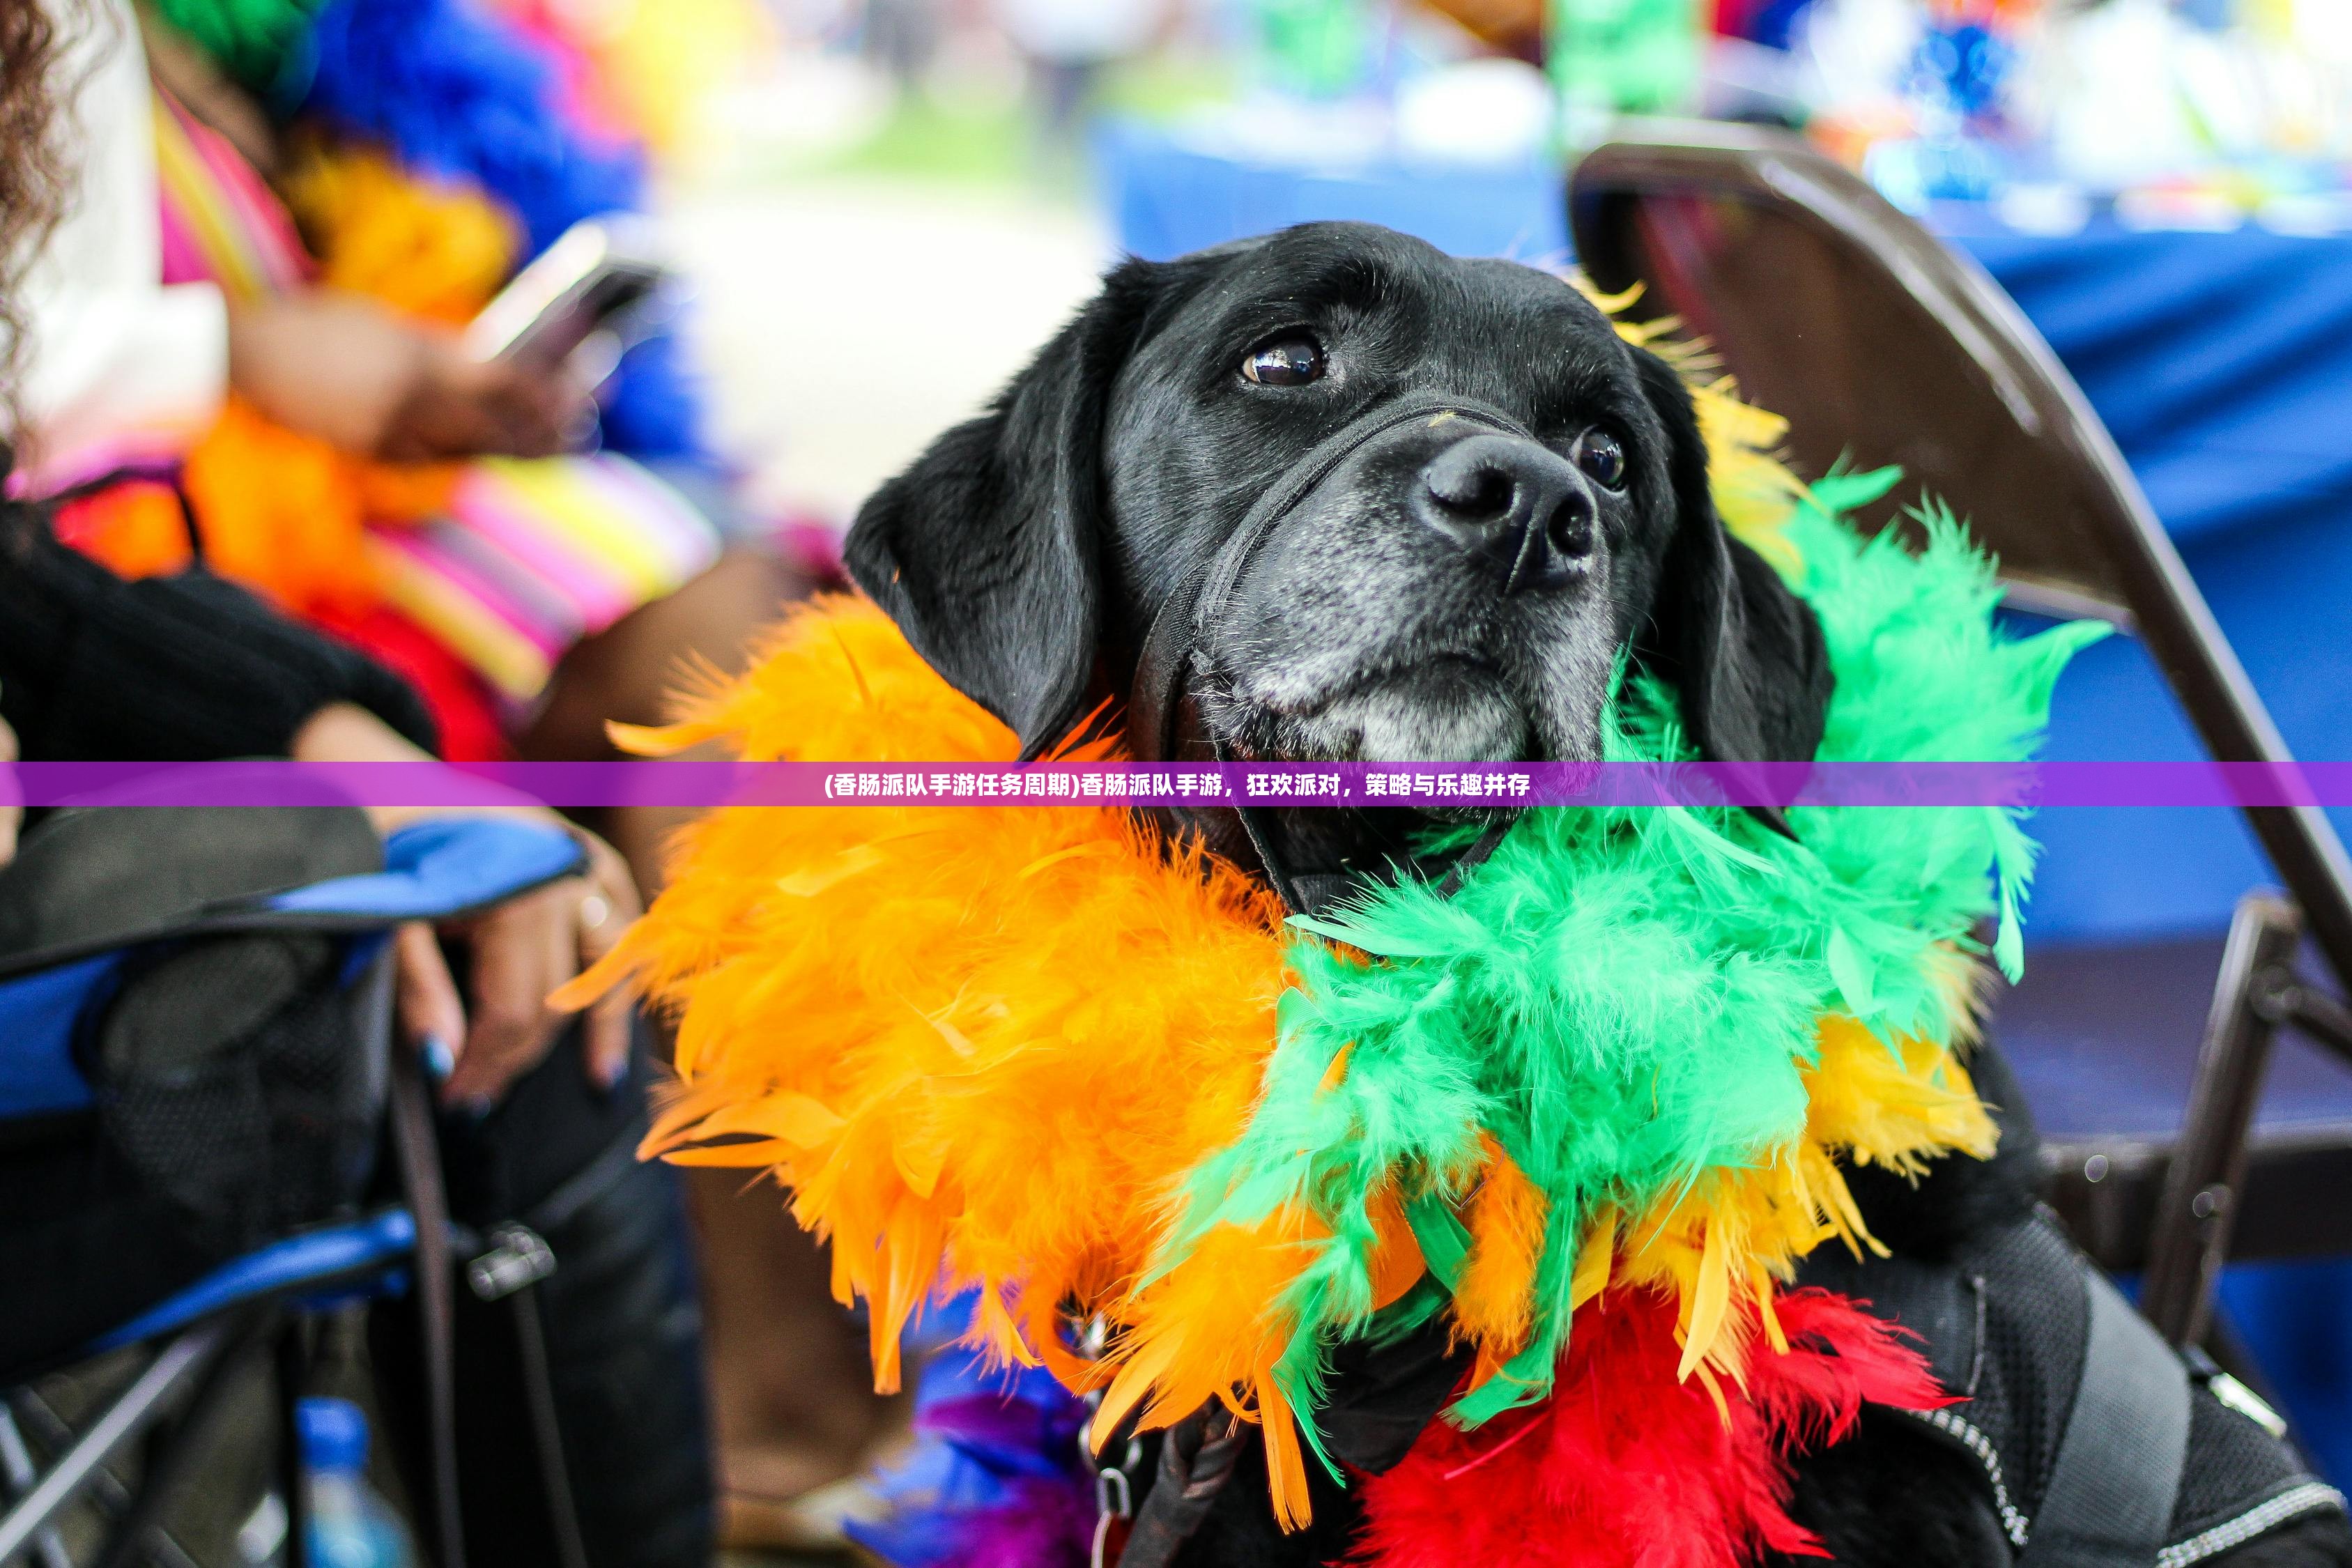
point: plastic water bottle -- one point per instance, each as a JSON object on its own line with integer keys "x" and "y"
{"x": 351, "y": 1525}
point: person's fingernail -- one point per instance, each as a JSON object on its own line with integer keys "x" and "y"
{"x": 477, "y": 1107}
{"x": 440, "y": 1061}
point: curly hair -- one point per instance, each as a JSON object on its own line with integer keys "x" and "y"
{"x": 34, "y": 35}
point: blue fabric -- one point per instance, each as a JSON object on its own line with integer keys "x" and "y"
{"x": 459, "y": 92}
{"x": 652, "y": 408}
{"x": 37, "y": 1016}
{"x": 1166, "y": 199}
{"x": 2291, "y": 1317}
{"x": 433, "y": 870}
{"x": 985, "y": 1439}
{"x": 441, "y": 867}
{"x": 2223, "y": 363}
{"x": 313, "y": 1258}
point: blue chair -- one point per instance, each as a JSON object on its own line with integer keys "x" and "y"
{"x": 439, "y": 869}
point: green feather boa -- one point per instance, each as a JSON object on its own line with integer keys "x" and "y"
{"x": 1626, "y": 999}
{"x": 250, "y": 39}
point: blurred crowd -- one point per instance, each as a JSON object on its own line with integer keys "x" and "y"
{"x": 2251, "y": 99}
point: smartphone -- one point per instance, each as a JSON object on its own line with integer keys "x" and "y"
{"x": 604, "y": 277}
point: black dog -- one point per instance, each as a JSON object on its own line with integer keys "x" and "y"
{"x": 1335, "y": 495}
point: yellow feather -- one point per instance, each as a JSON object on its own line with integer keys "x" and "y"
{"x": 1707, "y": 1303}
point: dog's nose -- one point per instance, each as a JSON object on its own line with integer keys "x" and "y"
{"x": 1518, "y": 506}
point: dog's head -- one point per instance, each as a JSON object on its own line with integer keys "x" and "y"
{"x": 1456, "y": 586}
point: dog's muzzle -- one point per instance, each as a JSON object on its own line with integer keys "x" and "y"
{"x": 1163, "y": 718}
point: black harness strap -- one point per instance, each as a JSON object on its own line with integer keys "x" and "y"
{"x": 2101, "y": 1490}
{"x": 2109, "y": 1500}
{"x": 1165, "y": 659}
{"x": 1159, "y": 726}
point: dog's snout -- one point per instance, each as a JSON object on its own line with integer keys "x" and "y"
{"x": 1517, "y": 505}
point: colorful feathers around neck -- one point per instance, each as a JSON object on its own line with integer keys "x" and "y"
{"x": 1034, "y": 1053}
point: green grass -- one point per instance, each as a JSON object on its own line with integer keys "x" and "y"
{"x": 942, "y": 134}
{"x": 973, "y": 135}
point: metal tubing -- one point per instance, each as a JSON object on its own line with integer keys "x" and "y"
{"x": 2321, "y": 1016}
{"x": 178, "y": 1452}
{"x": 136, "y": 1408}
{"x": 2197, "y": 1209}
{"x": 16, "y": 1460}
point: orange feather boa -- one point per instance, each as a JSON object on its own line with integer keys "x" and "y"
{"x": 983, "y": 1048}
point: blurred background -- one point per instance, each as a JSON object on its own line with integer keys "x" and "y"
{"x": 852, "y": 180}
{"x": 887, "y": 204}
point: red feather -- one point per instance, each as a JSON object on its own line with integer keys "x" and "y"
{"x": 1627, "y": 1467}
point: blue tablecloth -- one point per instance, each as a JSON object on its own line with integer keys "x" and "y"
{"x": 2223, "y": 363}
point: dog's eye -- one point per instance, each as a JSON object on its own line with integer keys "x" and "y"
{"x": 1600, "y": 456}
{"x": 1288, "y": 361}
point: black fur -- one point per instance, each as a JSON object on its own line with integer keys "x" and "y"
{"x": 1722, "y": 595}
{"x": 988, "y": 552}
{"x": 1025, "y": 555}
{"x": 1025, "y": 552}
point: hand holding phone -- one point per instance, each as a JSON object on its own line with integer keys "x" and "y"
{"x": 603, "y": 283}
{"x": 361, "y": 378}
{"x": 459, "y": 406}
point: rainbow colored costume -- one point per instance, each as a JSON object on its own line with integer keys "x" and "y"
{"x": 1588, "y": 1113}
{"x": 432, "y": 147}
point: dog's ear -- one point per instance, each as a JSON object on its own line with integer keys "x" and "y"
{"x": 987, "y": 551}
{"x": 1746, "y": 654}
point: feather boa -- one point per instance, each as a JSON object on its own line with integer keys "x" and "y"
{"x": 250, "y": 39}
{"x": 462, "y": 94}
{"x": 464, "y": 97}
{"x": 1540, "y": 1124}
{"x": 1629, "y": 1468}
{"x": 476, "y": 105}
{"x": 995, "y": 1477}
{"x": 1623, "y": 1468}
{"x": 430, "y": 250}
{"x": 1030, "y": 1052}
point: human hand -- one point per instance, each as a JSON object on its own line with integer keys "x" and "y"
{"x": 11, "y": 812}
{"x": 464, "y": 408}
{"x": 522, "y": 951}
{"x": 357, "y": 375}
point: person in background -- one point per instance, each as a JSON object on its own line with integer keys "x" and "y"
{"x": 338, "y": 450}
{"x": 1067, "y": 44}
{"x": 902, "y": 36}
{"x": 192, "y": 667}
{"x": 188, "y": 666}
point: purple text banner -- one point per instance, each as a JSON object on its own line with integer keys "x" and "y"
{"x": 2110, "y": 784}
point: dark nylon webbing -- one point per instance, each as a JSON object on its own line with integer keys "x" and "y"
{"x": 1166, "y": 658}
{"x": 418, "y": 1155}
{"x": 2110, "y": 1497}
{"x": 1175, "y": 635}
